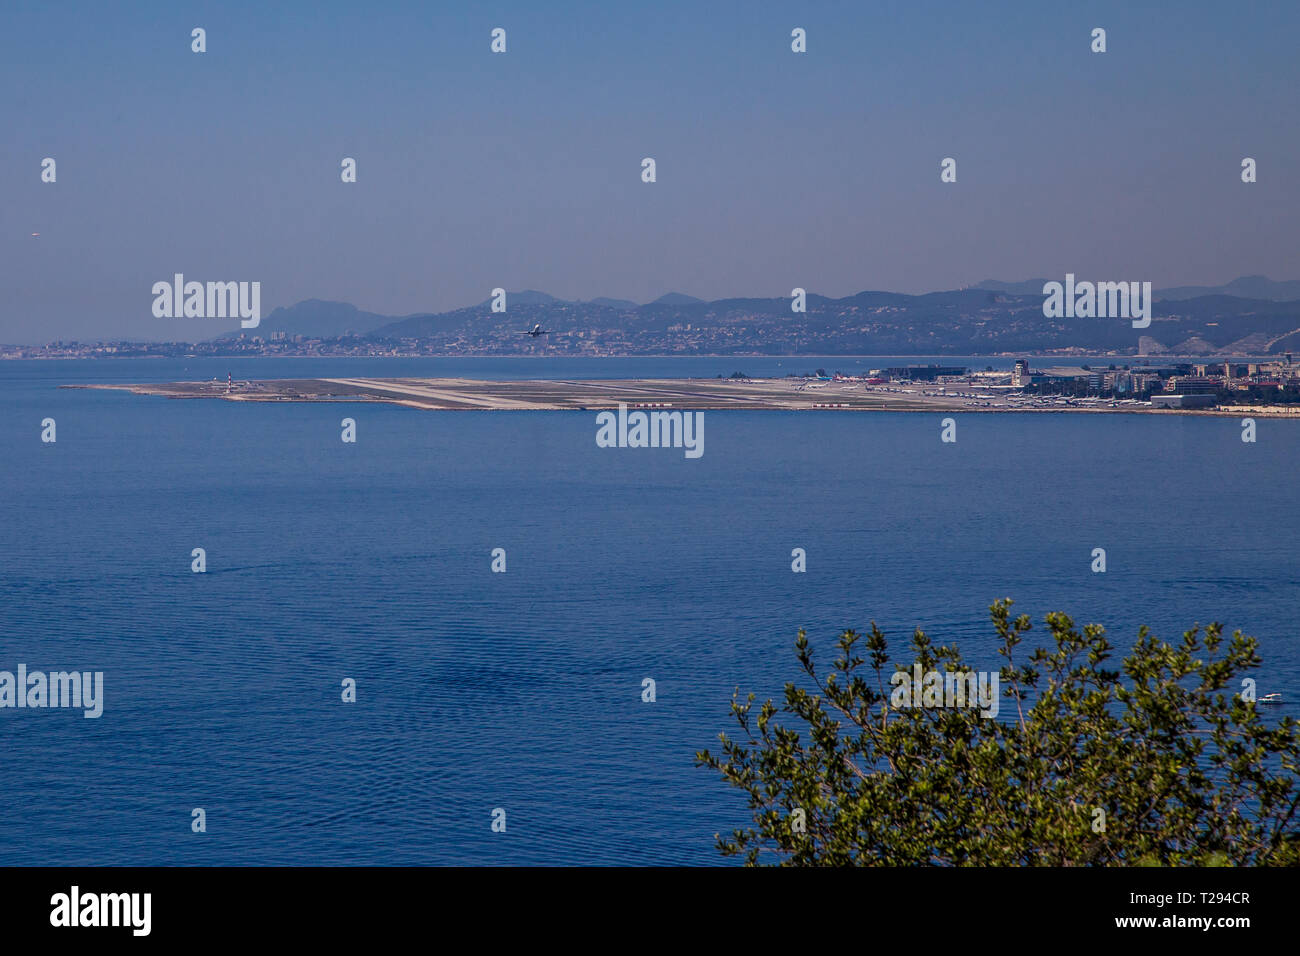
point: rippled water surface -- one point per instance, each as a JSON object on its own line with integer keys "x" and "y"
{"x": 523, "y": 690}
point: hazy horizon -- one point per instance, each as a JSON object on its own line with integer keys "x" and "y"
{"x": 522, "y": 170}
{"x": 215, "y": 328}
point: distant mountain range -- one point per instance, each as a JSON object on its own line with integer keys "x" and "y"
{"x": 322, "y": 318}
{"x": 1245, "y": 287}
{"x": 1250, "y": 315}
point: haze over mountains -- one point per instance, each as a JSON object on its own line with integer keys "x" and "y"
{"x": 1250, "y": 315}
{"x": 1245, "y": 287}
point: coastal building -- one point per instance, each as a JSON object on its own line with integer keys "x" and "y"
{"x": 1200, "y": 400}
{"x": 1192, "y": 384}
{"x": 1020, "y": 373}
{"x": 926, "y": 373}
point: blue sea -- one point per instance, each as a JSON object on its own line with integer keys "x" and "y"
{"x": 522, "y": 691}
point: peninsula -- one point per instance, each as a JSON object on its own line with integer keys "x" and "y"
{"x": 786, "y": 394}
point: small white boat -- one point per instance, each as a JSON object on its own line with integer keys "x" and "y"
{"x": 1271, "y": 699}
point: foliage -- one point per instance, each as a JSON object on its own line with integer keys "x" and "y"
{"x": 1160, "y": 762}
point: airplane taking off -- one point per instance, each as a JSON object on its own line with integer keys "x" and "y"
{"x": 535, "y": 331}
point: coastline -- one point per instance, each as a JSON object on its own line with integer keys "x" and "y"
{"x": 779, "y": 394}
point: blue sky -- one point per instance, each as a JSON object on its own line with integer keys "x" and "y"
{"x": 522, "y": 170}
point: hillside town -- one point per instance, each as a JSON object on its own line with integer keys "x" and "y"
{"x": 1181, "y": 385}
